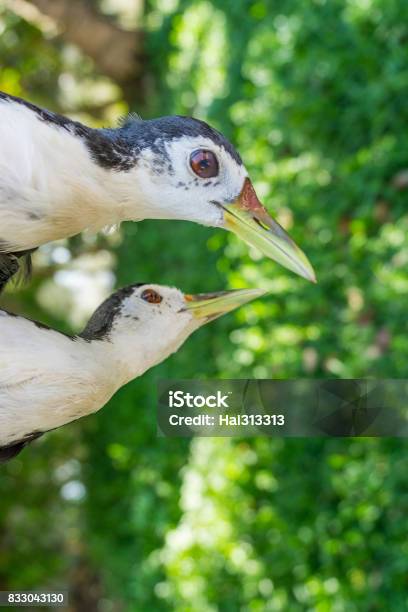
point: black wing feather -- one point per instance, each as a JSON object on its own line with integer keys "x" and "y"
{"x": 10, "y": 264}
{"x": 11, "y": 450}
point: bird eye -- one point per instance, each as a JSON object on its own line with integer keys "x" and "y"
{"x": 204, "y": 163}
{"x": 151, "y": 296}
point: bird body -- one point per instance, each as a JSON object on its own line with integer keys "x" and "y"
{"x": 59, "y": 177}
{"x": 50, "y": 187}
{"x": 48, "y": 379}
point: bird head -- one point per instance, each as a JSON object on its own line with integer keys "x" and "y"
{"x": 187, "y": 170}
{"x": 145, "y": 323}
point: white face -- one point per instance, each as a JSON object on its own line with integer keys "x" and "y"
{"x": 184, "y": 169}
{"x": 174, "y": 186}
{"x": 142, "y": 325}
{"x": 153, "y": 322}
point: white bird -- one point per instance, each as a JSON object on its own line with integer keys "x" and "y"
{"x": 48, "y": 379}
{"x": 59, "y": 177}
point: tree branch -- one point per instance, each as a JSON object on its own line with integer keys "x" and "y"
{"x": 117, "y": 53}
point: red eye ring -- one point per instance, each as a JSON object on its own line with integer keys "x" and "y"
{"x": 151, "y": 296}
{"x": 204, "y": 163}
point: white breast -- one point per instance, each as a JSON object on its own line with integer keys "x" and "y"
{"x": 47, "y": 379}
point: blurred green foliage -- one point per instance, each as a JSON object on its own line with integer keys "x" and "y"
{"x": 313, "y": 94}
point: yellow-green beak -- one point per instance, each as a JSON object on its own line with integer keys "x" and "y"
{"x": 209, "y": 306}
{"x": 247, "y": 218}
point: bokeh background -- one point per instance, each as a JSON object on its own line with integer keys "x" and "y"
{"x": 314, "y": 95}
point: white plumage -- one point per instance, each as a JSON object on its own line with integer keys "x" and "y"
{"x": 51, "y": 187}
{"x": 48, "y": 379}
{"x": 59, "y": 177}
{"x": 45, "y": 377}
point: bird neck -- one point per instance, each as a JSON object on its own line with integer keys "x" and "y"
{"x": 123, "y": 196}
{"x": 74, "y": 177}
{"x": 128, "y": 355}
{"x": 103, "y": 190}
{"x": 105, "y": 178}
